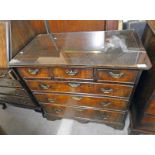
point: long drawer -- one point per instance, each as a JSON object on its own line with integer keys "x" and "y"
{"x": 111, "y": 75}
{"x": 82, "y": 101}
{"x": 148, "y": 123}
{"x": 13, "y": 91}
{"x": 80, "y": 87}
{"x": 102, "y": 115}
{"x": 17, "y": 100}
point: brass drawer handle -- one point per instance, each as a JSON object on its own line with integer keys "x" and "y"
{"x": 71, "y": 72}
{"x": 58, "y": 110}
{"x": 106, "y": 91}
{"x": 74, "y": 85}
{"x": 44, "y": 86}
{"x": 77, "y": 97}
{"x": 104, "y": 116}
{"x": 51, "y": 100}
{"x": 33, "y": 71}
{"x": 116, "y": 75}
{"x": 104, "y": 104}
{"x": 80, "y": 109}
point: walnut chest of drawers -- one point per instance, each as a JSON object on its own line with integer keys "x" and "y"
{"x": 91, "y": 77}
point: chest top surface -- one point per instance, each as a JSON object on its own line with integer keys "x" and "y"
{"x": 109, "y": 49}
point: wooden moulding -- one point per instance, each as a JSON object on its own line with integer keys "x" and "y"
{"x": 4, "y": 44}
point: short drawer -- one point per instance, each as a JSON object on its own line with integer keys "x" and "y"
{"x": 124, "y": 76}
{"x": 80, "y": 87}
{"x": 17, "y": 100}
{"x": 13, "y": 91}
{"x": 97, "y": 115}
{"x": 72, "y": 73}
{"x": 82, "y": 101}
{"x": 33, "y": 72}
{"x": 9, "y": 83}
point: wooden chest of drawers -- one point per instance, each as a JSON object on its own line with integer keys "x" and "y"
{"x": 12, "y": 92}
{"x": 90, "y": 78}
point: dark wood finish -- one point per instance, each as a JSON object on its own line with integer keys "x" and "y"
{"x": 125, "y": 76}
{"x": 112, "y": 24}
{"x": 73, "y": 73}
{"x": 84, "y": 55}
{"x": 32, "y": 72}
{"x": 145, "y": 93}
{"x": 63, "y": 111}
{"x": 58, "y": 26}
{"x": 83, "y": 101}
{"x": 114, "y": 90}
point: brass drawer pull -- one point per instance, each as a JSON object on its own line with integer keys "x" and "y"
{"x": 71, "y": 72}
{"x": 51, "y": 100}
{"x": 77, "y": 97}
{"x": 74, "y": 85}
{"x": 80, "y": 109}
{"x": 104, "y": 116}
{"x": 58, "y": 110}
{"x": 106, "y": 91}
{"x": 105, "y": 103}
{"x": 116, "y": 75}
{"x": 33, "y": 71}
{"x": 44, "y": 86}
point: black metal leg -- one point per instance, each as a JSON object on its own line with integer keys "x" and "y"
{"x": 4, "y": 106}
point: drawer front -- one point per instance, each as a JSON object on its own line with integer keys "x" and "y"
{"x": 63, "y": 111}
{"x": 126, "y": 76}
{"x": 13, "y": 91}
{"x": 31, "y": 72}
{"x": 148, "y": 123}
{"x": 79, "y": 87}
{"x": 9, "y": 83}
{"x": 17, "y": 100}
{"x": 151, "y": 107}
{"x": 72, "y": 73}
{"x": 83, "y": 101}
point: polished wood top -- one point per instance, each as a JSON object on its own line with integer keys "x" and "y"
{"x": 109, "y": 49}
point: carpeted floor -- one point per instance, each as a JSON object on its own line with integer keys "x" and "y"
{"x": 19, "y": 121}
